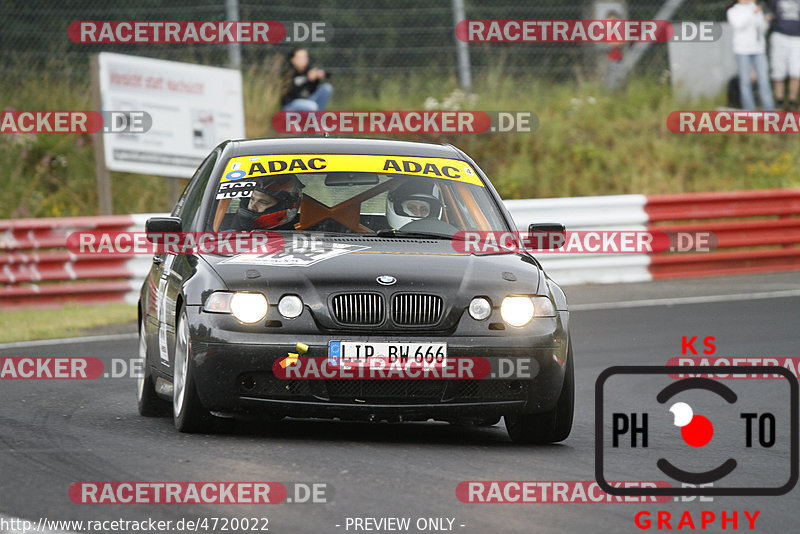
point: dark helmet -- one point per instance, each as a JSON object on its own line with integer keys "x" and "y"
{"x": 286, "y": 190}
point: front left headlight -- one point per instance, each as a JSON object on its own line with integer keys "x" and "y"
{"x": 247, "y": 308}
{"x": 517, "y": 310}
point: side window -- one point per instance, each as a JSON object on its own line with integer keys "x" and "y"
{"x": 192, "y": 197}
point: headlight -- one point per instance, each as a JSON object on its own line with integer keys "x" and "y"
{"x": 480, "y": 308}
{"x": 543, "y": 307}
{"x": 290, "y": 306}
{"x": 517, "y": 311}
{"x": 219, "y": 302}
{"x": 249, "y": 308}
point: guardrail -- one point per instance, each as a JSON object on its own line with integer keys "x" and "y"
{"x": 36, "y": 269}
{"x": 756, "y": 231}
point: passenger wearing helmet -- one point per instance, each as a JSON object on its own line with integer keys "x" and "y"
{"x": 412, "y": 201}
{"x": 273, "y": 204}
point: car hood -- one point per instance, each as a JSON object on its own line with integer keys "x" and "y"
{"x": 354, "y": 264}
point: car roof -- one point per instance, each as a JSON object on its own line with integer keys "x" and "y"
{"x": 329, "y": 145}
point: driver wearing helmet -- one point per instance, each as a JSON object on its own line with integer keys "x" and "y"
{"x": 273, "y": 205}
{"x": 412, "y": 201}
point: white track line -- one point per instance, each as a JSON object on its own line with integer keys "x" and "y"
{"x": 67, "y": 340}
{"x": 685, "y": 300}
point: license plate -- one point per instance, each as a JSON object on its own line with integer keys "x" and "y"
{"x": 362, "y": 353}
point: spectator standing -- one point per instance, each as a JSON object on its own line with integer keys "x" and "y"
{"x": 750, "y": 26}
{"x": 784, "y": 50}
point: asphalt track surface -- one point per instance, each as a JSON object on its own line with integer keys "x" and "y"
{"x": 54, "y": 433}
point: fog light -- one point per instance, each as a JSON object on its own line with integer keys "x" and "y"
{"x": 480, "y": 308}
{"x": 290, "y": 306}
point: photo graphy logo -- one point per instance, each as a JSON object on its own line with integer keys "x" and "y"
{"x": 740, "y": 436}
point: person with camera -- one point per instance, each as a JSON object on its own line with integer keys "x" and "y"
{"x": 305, "y": 87}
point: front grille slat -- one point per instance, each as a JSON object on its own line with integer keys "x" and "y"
{"x": 358, "y": 309}
{"x": 369, "y": 309}
{"x": 414, "y": 309}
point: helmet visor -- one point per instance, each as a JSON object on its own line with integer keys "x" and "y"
{"x": 416, "y": 207}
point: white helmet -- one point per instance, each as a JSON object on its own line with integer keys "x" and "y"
{"x": 412, "y": 201}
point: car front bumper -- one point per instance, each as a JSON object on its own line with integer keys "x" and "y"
{"x": 234, "y": 375}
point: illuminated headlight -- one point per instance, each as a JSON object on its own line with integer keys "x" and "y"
{"x": 290, "y": 306}
{"x": 517, "y": 311}
{"x": 249, "y": 308}
{"x": 480, "y": 308}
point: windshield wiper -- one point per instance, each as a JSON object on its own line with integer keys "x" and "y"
{"x": 388, "y": 232}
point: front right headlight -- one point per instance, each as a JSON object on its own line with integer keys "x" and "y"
{"x": 517, "y": 311}
{"x": 543, "y": 307}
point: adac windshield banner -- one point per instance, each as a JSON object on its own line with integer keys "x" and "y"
{"x": 251, "y": 167}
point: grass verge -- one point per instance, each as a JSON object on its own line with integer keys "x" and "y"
{"x": 67, "y": 321}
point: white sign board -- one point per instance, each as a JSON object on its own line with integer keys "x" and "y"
{"x": 702, "y": 70}
{"x": 193, "y": 109}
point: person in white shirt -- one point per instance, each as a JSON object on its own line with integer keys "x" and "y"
{"x": 750, "y": 47}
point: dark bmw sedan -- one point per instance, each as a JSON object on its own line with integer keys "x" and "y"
{"x": 355, "y": 297}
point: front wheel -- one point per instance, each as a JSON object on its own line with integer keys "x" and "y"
{"x": 552, "y": 426}
{"x": 188, "y": 412}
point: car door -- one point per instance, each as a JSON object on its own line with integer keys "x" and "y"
{"x": 173, "y": 269}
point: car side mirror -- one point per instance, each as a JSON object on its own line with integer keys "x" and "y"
{"x": 553, "y": 235}
{"x": 162, "y": 225}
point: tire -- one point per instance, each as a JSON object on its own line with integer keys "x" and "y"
{"x": 188, "y": 412}
{"x": 149, "y": 404}
{"x": 552, "y": 426}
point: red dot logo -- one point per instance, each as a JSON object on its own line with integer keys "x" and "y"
{"x": 696, "y": 430}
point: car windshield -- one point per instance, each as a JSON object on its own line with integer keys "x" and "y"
{"x": 385, "y": 195}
